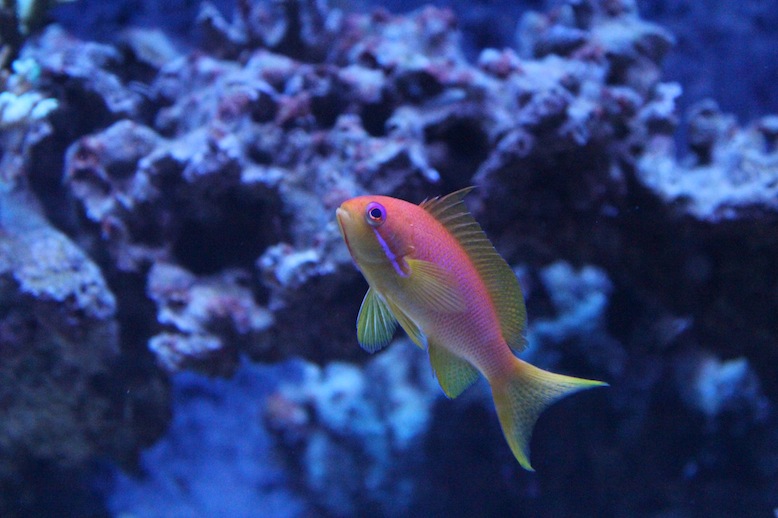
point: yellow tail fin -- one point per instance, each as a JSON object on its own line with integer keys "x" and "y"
{"x": 523, "y": 395}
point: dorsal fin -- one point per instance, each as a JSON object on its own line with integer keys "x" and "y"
{"x": 500, "y": 281}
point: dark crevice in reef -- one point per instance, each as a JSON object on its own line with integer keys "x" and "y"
{"x": 456, "y": 147}
{"x": 235, "y": 236}
{"x": 375, "y": 115}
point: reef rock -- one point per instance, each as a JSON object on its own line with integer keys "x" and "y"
{"x": 65, "y": 397}
{"x": 731, "y": 173}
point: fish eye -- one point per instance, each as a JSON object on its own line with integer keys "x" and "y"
{"x": 375, "y": 214}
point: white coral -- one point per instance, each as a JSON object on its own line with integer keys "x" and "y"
{"x": 29, "y": 106}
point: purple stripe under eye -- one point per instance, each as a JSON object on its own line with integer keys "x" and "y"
{"x": 389, "y": 254}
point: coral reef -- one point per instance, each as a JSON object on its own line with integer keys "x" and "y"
{"x": 167, "y": 204}
{"x": 65, "y": 397}
{"x": 208, "y": 320}
{"x": 732, "y": 43}
{"x": 17, "y": 19}
{"x": 732, "y": 172}
{"x": 723, "y": 50}
{"x": 355, "y": 434}
{"x": 715, "y": 387}
{"x": 199, "y": 469}
{"x": 24, "y": 124}
{"x": 577, "y": 327}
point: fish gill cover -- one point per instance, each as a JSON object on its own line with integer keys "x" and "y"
{"x": 168, "y": 180}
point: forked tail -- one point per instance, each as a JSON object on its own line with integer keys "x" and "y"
{"x": 520, "y": 398}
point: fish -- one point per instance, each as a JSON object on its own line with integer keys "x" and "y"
{"x": 432, "y": 270}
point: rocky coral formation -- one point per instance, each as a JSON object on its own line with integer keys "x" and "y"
{"x": 576, "y": 327}
{"x": 207, "y": 320}
{"x": 202, "y": 183}
{"x": 199, "y": 469}
{"x": 730, "y": 174}
{"x": 24, "y": 113}
{"x": 18, "y": 18}
{"x": 353, "y": 436}
{"x": 65, "y": 396}
{"x": 732, "y": 42}
{"x": 356, "y": 434}
{"x": 71, "y": 391}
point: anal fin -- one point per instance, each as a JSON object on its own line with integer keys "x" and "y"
{"x": 454, "y": 374}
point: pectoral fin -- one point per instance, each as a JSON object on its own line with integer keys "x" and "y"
{"x": 375, "y": 323}
{"x": 454, "y": 374}
{"x": 434, "y": 286}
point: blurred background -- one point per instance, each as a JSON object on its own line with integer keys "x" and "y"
{"x": 177, "y": 308}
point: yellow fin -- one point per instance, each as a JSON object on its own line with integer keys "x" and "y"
{"x": 521, "y": 397}
{"x": 454, "y": 374}
{"x": 375, "y": 322}
{"x": 409, "y": 326}
{"x": 499, "y": 279}
{"x": 433, "y": 286}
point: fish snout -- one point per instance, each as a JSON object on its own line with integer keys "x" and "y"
{"x": 344, "y": 218}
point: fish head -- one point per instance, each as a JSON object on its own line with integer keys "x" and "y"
{"x": 378, "y": 231}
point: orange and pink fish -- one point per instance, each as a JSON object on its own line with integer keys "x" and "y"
{"x": 432, "y": 270}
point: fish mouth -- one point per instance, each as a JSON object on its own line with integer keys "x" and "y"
{"x": 342, "y": 216}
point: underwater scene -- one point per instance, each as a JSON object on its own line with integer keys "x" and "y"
{"x": 309, "y": 258}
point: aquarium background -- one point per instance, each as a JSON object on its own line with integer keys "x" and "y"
{"x": 177, "y": 309}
